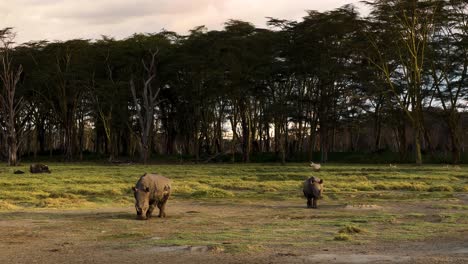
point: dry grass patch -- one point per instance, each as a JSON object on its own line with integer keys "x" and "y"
{"x": 350, "y": 229}
{"x": 7, "y": 206}
{"x": 342, "y": 237}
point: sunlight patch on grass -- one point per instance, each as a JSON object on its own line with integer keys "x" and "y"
{"x": 65, "y": 203}
{"x": 7, "y": 206}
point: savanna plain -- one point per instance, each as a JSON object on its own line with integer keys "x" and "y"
{"x": 236, "y": 213}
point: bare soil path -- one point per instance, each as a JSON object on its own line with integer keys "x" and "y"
{"x": 269, "y": 232}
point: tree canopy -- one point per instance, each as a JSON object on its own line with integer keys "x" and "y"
{"x": 332, "y": 82}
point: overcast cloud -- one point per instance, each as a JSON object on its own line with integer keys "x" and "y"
{"x": 67, "y": 19}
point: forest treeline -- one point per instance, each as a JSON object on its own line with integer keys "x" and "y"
{"x": 243, "y": 90}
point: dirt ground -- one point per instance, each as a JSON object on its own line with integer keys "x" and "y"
{"x": 112, "y": 235}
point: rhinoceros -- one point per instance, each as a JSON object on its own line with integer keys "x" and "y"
{"x": 39, "y": 168}
{"x": 150, "y": 191}
{"x": 313, "y": 188}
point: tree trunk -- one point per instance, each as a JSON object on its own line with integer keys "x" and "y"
{"x": 219, "y": 130}
{"x": 284, "y": 144}
{"x": 312, "y": 137}
{"x": 68, "y": 141}
{"x": 453, "y": 124}
{"x": 41, "y": 137}
{"x": 377, "y": 128}
{"x": 111, "y": 149}
{"x": 149, "y": 95}
{"x": 81, "y": 136}
{"x": 144, "y": 149}
{"x": 268, "y": 138}
{"x": 10, "y": 106}
{"x": 417, "y": 143}
{"x": 233, "y": 120}
{"x": 246, "y": 133}
{"x": 300, "y": 137}
{"x": 456, "y": 152}
{"x": 324, "y": 147}
{"x": 12, "y": 149}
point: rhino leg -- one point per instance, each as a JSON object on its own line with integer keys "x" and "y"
{"x": 149, "y": 213}
{"x": 309, "y": 202}
{"x": 314, "y": 205}
{"x": 162, "y": 206}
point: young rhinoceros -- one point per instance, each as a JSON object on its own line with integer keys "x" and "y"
{"x": 313, "y": 188}
{"x": 39, "y": 168}
{"x": 150, "y": 191}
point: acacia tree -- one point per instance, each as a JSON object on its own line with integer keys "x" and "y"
{"x": 407, "y": 26}
{"x": 11, "y": 107}
{"x": 194, "y": 100}
{"x": 239, "y": 66}
{"x": 448, "y": 69}
{"x": 145, "y": 106}
{"x": 64, "y": 89}
{"x": 297, "y": 87}
{"x": 29, "y": 56}
{"x": 322, "y": 54}
{"x": 103, "y": 81}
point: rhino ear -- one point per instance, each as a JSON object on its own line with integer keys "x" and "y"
{"x": 321, "y": 181}
{"x": 134, "y": 189}
{"x": 147, "y": 189}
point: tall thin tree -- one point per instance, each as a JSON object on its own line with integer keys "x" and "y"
{"x": 145, "y": 106}
{"x": 10, "y": 105}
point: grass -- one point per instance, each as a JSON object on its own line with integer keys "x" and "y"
{"x": 266, "y": 199}
{"x": 342, "y": 237}
{"x": 82, "y": 185}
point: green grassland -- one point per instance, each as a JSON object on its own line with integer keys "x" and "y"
{"x": 86, "y": 185}
{"x": 409, "y": 202}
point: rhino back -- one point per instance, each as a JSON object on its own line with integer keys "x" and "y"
{"x": 36, "y": 168}
{"x": 157, "y": 185}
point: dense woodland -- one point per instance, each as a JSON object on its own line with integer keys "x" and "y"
{"x": 286, "y": 90}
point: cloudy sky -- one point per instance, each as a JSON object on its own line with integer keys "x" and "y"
{"x": 67, "y": 19}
